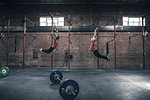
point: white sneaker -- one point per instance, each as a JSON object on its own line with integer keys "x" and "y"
{"x": 41, "y": 49}
{"x": 108, "y": 59}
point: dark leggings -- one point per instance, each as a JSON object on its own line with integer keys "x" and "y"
{"x": 48, "y": 50}
{"x": 97, "y": 54}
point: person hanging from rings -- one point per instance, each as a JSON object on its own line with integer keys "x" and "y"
{"x": 55, "y": 43}
{"x": 94, "y": 49}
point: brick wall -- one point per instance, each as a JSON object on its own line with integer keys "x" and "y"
{"x": 129, "y": 54}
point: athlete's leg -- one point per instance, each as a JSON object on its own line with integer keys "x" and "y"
{"x": 47, "y": 50}
{"x": 97, "y": 54}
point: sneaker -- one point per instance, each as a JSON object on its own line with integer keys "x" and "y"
{"x": 108, "y": 59}
{"x": 41, "y": 49}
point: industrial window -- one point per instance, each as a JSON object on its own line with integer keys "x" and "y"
{"x": 47, "y": 21}
{"x": 133, "y": 21}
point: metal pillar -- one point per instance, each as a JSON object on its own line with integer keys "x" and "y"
{"x": 115, "y": 45}
{"x": 97, "y": 46}
{"x": 24, "y": 38}
{"x": 143, "y": 43}
{"x": 7, "y": 42}
{"x": 69, "y": 43}
{"x": 52, "y": 43}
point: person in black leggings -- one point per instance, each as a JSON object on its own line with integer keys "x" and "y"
{"x": 94, "y": 49}
{"x": 55, "y": 43}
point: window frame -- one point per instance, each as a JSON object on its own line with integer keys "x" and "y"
{"x": 58, "y": 21}
{"x": 131, "y": 21}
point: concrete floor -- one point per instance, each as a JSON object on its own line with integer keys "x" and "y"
{"x": 34, "y": 84}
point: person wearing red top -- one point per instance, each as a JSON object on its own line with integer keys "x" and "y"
{"x": 55, "y": 43}
{"x": 94, "y": 49}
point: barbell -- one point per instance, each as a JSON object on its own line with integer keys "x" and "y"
{"x": 4, "y": 71}
{"x": 68, "y": 89}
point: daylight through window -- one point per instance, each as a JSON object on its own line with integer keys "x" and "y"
{"x": 133, "y": 21}
{"x": 47, "y": 21}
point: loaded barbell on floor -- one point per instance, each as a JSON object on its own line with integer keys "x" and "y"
{"x": 4, "y": 71}
{"x": 68, "y": 89}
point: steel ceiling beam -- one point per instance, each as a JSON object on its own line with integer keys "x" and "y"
{"x": 101, "y": 2}
{"x": 77, "y": 29}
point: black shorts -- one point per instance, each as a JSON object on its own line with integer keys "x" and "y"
{"x": 48, "y": 50}
{"x": 97, "y": 54}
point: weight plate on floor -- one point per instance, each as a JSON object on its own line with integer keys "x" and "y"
{"x": 7, "y": 68}
{"x": 55, "y": 75}
{"x": 4, "y": 71}
{"x": 69, "y": 89}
